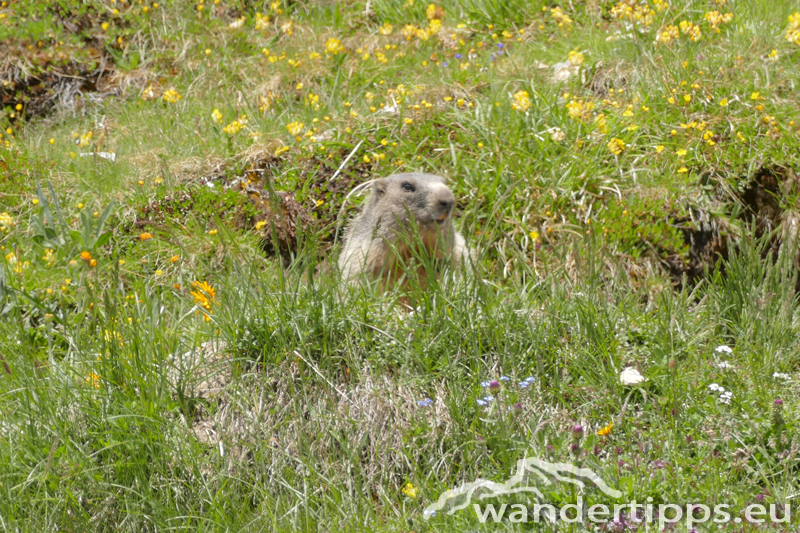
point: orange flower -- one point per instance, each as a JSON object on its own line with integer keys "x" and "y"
{"x": 86, "y": 256}
{"x": 204, "y": 296}
{"x": 145, "y": 236}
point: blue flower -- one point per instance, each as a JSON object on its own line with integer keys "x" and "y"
{"x": 427, "y": 402}
{"x": 458, "y": 56}
{"x": 445, "y": 65}
{"x": 486, "y": 400}
{"x": 500, "y": 45}
{"x": 485, "y": 384}
{"x": 505, "y": 378}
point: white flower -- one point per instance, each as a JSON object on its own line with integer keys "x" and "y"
{"x": 725, "y": 397}
{"x": 716, "y": 388}
{"x": 722, "y": 348}
{"x": 724, "y": 365}
{"x": 631, "y": 376}
{"x": 781, "y": 375}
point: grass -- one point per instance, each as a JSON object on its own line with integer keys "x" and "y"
{"x": 636, "y": 209}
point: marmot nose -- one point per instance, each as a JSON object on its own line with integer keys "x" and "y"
{"x": 446, "y": 205}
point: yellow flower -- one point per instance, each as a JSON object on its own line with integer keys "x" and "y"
{"x": 93, "y": 263}
{"x": 85, "y": 139}
{"x": 49, "y": 256}
{"x": 755, "y": 96}
{"x": 6, "y": 222}
{"x": 723, "y": 102}
{"x": 217, "y": 116}
{"x": 668, "y": 34}
{"x": 333, "y": 46}
{"x": 692, "y": 30}
{"x": 260, "y": 224}
{"x": 575, "y": 57}
{"x": 410, "y": 490}
{"x": 683, "y": 170}
{"x": 295, "y": 128}
{"x": 616, "y": 146}
{"x": 682, "y": 152}
{"x": 171, "y": 96}
{"x": 659, "y": 148}
{"x": 715, "y": 18}
{"x": 600, "y": 123}
{"x": 93, "y": 380}
{"x": 434, "y": 26}
{"x": 385, "y": 29}
{"x": 561, "y": 18}
{"x": 234, "y": 127}
{"x": 605, "y": 431}
{"x": 793, "y": 30}
{"x": 522, "y": 101}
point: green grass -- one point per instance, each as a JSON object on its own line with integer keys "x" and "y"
{"x": 592, "y": 255}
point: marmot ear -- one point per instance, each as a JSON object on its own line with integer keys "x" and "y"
{"x": 379, "y": 187}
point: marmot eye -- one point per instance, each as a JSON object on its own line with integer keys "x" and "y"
{"x": 408, "y": 187}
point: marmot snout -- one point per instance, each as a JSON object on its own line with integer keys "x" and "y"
{"x": 378, "y": 242}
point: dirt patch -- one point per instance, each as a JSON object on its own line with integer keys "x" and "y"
{"x": 769, "y": 201}
{"x": 707, "y": 241}
{"x": 317, "y": 199}
{"x": 772, "y": 191}
{"x": 279, "y": 217}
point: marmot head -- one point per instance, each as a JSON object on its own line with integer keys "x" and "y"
{"x": 423, "y": 196}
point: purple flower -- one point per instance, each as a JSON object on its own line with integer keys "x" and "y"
{"x": 577, "y": 430}
{"x": 500, "y": 45}
{"x": 494, "y": 385}
{"x": 778, "y": 402}
{"x": 445, "y": 65}
{"x": 458, "y": 56}
{"x": 427, "y": 402}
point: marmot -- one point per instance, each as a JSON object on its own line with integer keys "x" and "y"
{"x": 378, "y": 242}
